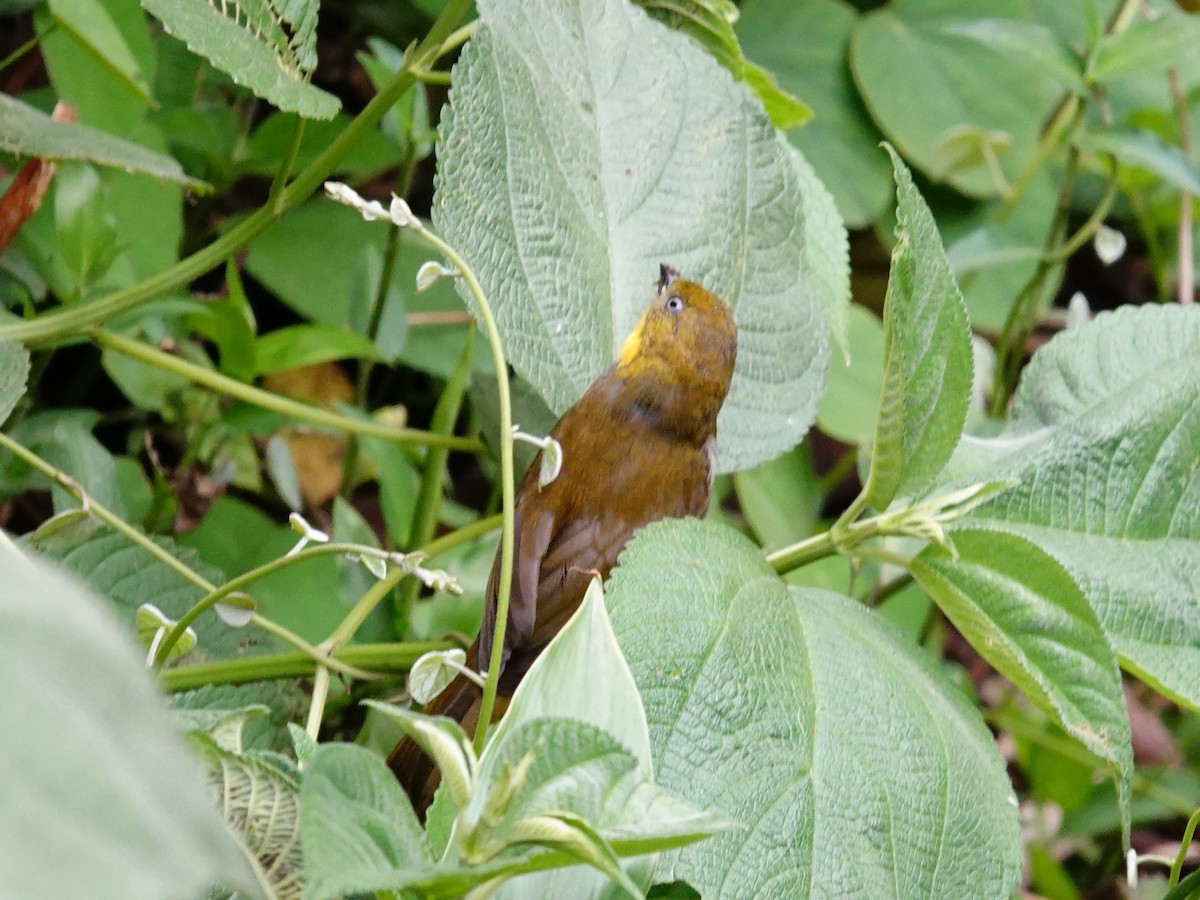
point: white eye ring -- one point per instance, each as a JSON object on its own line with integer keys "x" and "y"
{"x": 674, "y": 304}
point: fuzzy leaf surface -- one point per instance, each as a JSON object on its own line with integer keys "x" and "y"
{"x": 927, "y": 355}
{"x": 105, "y": 780}
{"x": 585, "y": 144}
{"x": 1105, "y": 441}
{"x": 1027, "y": 617}
{"x": 804, "y": 717}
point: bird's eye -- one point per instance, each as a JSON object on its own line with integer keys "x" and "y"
{"x": 674, "y": 304}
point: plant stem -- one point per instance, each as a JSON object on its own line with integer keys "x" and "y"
{"x": 64, "y": 321}
{"x": 378, "y": 659}
{"x": 216, "y": 594}
{"x": 1188, "y": 833}
{"x": 429, "y": 496}
{"x": 104, "y": 514}
{"x": 285, "y": 168}
{"x": 316, "y": 709}
{"x": 1088, "y": 229}
{"x": 1186, "y": 283}
{"x": 276, "y": 403}
{"x": 507, "y": 485}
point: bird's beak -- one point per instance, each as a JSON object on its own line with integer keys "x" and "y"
{"x": 666, "y": 275}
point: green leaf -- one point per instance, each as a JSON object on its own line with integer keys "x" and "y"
{"x": 710, "y": 24}
{"x": 1144, "y": 149}
{"x": 781, "y": 499}
{"x": 92, "y": 25}
{"x": 100, "y": 96}
{"x": 128, "y": 576}
{"x": 357, "y": 826}
{"x": 105, "y": 781}
{"x": 303, "y": 345}
{"x": 1032, "y": 43}
{"x": 260, "y": 64}
{"x": 928, "y": 358}
{"x": 558, "y": 686}
{"x": 850, "y": 405}
{"x": 27, "y": 132}
{"x": 805, "y": 45}
{"x": 1103, "y": 441}
{"x": 1027, "y": 617}
{"x": 14, "y": 373}
{"x": 709, "y": 187}
{"x": 260, "y": 803}
{"x": 922, "y": 81}
{"x": 1147, "y": 45}
{"x": 64, "y": 439}
{"x": 803, "y": 716}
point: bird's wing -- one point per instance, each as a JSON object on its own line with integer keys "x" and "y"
{"x": 531, "y": 538}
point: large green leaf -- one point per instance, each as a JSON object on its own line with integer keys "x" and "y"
{"x": 26, "y": 131}
{"x": 14, "y": 371}
{"x": 1027, "y": 617}
{"x": 358, "y": 827}
{"x": 565, "y": 178}
{"x": 91, "y": 24}
{"x": 254, "y": 53}
{"x": 855, "y": 767}
{"x": 928, "y": 85}
{"x": 578, "y": 786}
{"x": 805, "y": 46}
{"x": 558, "y": 686}
{"x": 1153, "y": 45}
{"x": 1103, "y": 440}
{"x": 128, "y": 576}
{"x": 100, "y": 778}
{"x": 927, "y": 356}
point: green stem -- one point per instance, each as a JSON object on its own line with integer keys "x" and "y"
{"x": 316, "y": 654}
{"x": 378, "y": 659}
{"x": 1188, "y": 833}
{"x": 507, "y": 485}
{"x": 349, "y": 626}
{"x": 1025, "y": 305}
{"x": 1089, "y": 228}
{"x": 216, "y": 594}
{"x": 429, "y": 496}
{"x": 283, "y": 405}
{"x": 104, "y": 514}
{"x": 316, "y": 709}
{"x": 27, "y": 46}
{"x": 64, "y": 321}
{"x": 285, "y": 168}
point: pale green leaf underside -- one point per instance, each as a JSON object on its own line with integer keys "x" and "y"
{"x": 1105, "y": 438}
{"x": 802, "y": 716}
{"x": 584, "y": 145}
{"x": 14, "y": 371}
{"x": 261, "y": 806}
{"x": 557, "y": 685}
{"x": 28, "y": 132}
{"x": 927, "y": 359}
{"x": 1028, "y": 618}
{"x": 257, "y": 63}
{"x": 105, "y": 781}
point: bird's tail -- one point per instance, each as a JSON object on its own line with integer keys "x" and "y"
{"x": 461, "y": 701}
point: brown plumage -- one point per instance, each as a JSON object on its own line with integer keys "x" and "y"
{"x": 638, "y": 446}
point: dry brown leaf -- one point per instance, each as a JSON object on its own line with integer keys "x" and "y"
{"x": 317, "y": 457}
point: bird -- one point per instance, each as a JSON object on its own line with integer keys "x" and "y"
{"x": 638, "y": 446}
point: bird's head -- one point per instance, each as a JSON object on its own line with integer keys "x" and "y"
{"x": 682, "y": 352}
